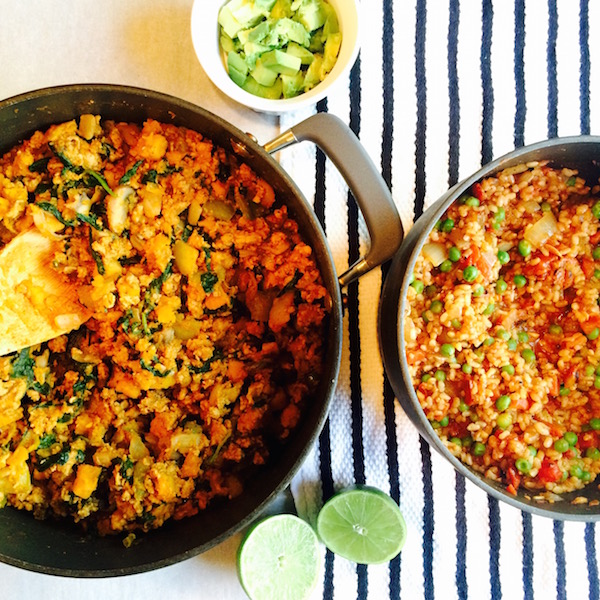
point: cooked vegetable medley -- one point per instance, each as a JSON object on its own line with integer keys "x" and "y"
{"x": 502, "y": 330}
{"x": 206, "y": 340}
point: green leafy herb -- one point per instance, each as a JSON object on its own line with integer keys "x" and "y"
{"x": 290, "y": 285}
{"x": 126, "y": 470}
{"x": 96, "y": 256}
{"x": 47, "y": 441}
{"x": 60, "y": 458}
{"x": 153, "y": 370}
{"x": 91, "y": 220}
{"x": 208, "y": 281}
{"x": 100, "y": 179}
{"x": 130, "y": 173}
{"x": 150, "y": 176}
{"x": 53, "y": 210}
{"x": 22, "y": 366}
{"x": 40, "y": 165}
{"x": 43, "y": 389}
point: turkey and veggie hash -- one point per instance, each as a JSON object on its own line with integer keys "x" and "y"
{"x": 206, "y": 340}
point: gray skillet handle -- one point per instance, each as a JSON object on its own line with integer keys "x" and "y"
{"x": 369, "y": 189}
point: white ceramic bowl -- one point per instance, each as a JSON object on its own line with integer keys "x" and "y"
{"x": 205, "y": 37}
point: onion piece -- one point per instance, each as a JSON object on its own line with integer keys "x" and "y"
{"x": 531, "y": 206}
{"x": 435, "y": 253}
{"x": 542, "y": 230}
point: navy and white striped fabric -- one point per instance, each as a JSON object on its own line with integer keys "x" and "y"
{"x": 440, "y": 88}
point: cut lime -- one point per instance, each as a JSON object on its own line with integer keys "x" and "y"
{"x": 279, "y": 559}
{"x": 362, "y": 524}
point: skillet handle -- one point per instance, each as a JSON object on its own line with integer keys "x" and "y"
{"x": 369, "y": 189}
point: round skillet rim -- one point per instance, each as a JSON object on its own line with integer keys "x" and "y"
{"x": 394, "y": 300}
{"x": 177, "y": 111}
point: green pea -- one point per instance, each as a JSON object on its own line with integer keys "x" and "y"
{"x": 446, "y": 266}
{"x": 440, "y": 375}
{"x": 438, "y": 225}
{"x": 435, "y": 424}
{"x": 503, "y": 256}
{"x": 545, "y": 206}
{"x": 571, "y": 181}
{"x": 523, "y": 337}
{"x": 571, "y": 438}
{"x": 595, "y": 423}
{"x": 470, "y": 273}
{"x": 447, "y": 350}
{"x": 431, "y": 291}
{"x": 528, "y": 355}
{"x": 504, "y": 420}
{"x": 501, "y": 286}
{"x": 523, "y": 465}
{"x": 456, "y": 324}
{"x": 467, "y": 369}
{"x": 564, "y": 391}
{"x": 592, "y": 453}
{"x": 508, "y": 369}
{"x": 418, "y": 286}
{"x": 447, "y": 225}
{"x": 425, "y": 377}
{"x": 593, "y": 334}
{"x": 596, "y": 253}
{"x": 463, "y": 406}
{"x": 598, "y": 370}
{"x": 444, "y": 422}
{"x": 456, "y": 440}
{"x": 478, "y": 449}
{"x": 575, "y": 471}
{"x": 596, "y": 210}
{"x": 589, "y": 370}
{"x": 585, "y": 476}
{"x": 532, "y": 450}
{"x": 467, "y": 441}
{"x": 454, "y": 254}
{"x": 436, "y": 307}
{"x": 503, "y": 335}
{"x": 488, "y": 341}
{"x": 478, "y": 290}
{"x": 561, "y": 445}
{"x": 489, "y": 309}
{"x": 502, "y": 402}
{"x": 520, "y": 281}
{"x": 512, "y": 344}
{"x": 597, "y": 382}
{"x": 524, "y": 248}
{"x": 472, "y": 201}
{"x": 555, "y": 329}
{"x": 425, "y": 316}
{"x": 500, "y": 214}
{"x": 496, "y": 225}
{"x": 597, "y": 273}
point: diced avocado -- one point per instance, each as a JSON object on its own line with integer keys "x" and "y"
{"x": 281, "y": 9}
{"x": 305, "y": 56}
{"x": 238, "y": 70}
{"x": 331, "y": 22}
{"x": 253, "y": 51}
{"x": 292, "y": 85}
{"x": 263, "y": 75}
{"x": 312, "y": 76}
{"x": 285, "y": 30}
{"x": 228, "y": 22}
{"x": 259, "y": 32}
{"x": 311, "y": 14}
{"x": 281, "y": 62}
{"x": 317, "y": 41}
{"x": 227, "y": 44}
{"x": 265, "y": 4}
{"x": 247, "y": 12}
{"x": 332, "y": 49}
{"x": 272, "y": 93}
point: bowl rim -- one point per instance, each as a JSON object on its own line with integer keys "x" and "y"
{"x": 204, "y": 14}
{"x": 412, "y": 247}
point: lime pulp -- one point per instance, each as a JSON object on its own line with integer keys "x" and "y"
{"x": 279, "y": 559}
{"x": 362, "y": 524}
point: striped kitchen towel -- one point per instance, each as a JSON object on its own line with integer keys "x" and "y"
{"x": 441, "y": 87}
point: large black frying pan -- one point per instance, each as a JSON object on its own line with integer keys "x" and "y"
{"x": 59, "y": 548}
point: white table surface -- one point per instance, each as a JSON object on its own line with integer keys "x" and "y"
{"x": 144, "y": 43}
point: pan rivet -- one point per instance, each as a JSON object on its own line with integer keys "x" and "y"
{"x": 240, "y": 148}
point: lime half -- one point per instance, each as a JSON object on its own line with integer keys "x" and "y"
{"x": 279, "y": 559}
{"x": 362, "y": 524}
